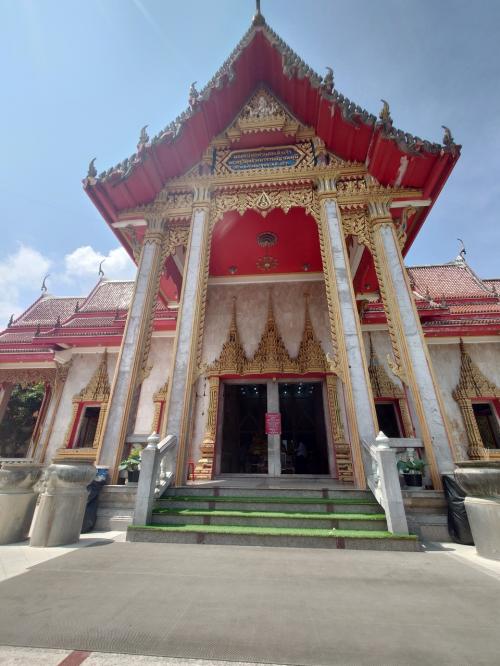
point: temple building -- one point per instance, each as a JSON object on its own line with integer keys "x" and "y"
{"x": 273, "y": 326}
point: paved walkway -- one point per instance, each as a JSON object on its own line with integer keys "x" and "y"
{"x": 252, "y": 605}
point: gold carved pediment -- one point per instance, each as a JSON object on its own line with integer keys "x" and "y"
{"x": 472, "y": 383}
{"x": 271, "y": 355}
{"x": 98, "y": 388}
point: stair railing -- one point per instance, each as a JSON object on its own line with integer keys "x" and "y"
{"x": 157, "y": 474}
{"x": 383, "y": 480}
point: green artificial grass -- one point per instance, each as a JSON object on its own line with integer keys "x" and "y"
{"x": 270, "y": 514}
{"x": 267, "y": 500}
{"x": 275, "y": 531}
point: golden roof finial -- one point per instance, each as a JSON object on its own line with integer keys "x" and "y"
{"x": 258, "y": 19}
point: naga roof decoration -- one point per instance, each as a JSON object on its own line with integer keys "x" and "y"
{"x": 263, "y": 60}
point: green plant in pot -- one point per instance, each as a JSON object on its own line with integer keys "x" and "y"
{"x": 412, "y": 470}
{"x": 131, "y": 465}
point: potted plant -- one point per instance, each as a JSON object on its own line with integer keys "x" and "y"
{"x": 131, "y": 465}
{"x": 412, "y": 469}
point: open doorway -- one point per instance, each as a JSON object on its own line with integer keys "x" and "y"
{"x": 304, "y": 447}
{"x": 244, "y": 442}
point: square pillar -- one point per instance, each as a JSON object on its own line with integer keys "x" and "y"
{"x": 412, "y": 361}
{"x": 132, "y": 359}
{"x": 360, "y": 409}
{"x": 190, "y": 318}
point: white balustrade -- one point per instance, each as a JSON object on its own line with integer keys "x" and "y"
{"x": 157, "y": 474}
{"x": 382, "y": 477}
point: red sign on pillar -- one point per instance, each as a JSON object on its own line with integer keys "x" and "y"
{"x": 273, "y": 423}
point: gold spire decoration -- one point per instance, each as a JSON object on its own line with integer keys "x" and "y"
{"x": 472, "y": 384}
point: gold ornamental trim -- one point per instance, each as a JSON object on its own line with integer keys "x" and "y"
{"x": 271, "y": 355}
{"x": 473, "y": 384}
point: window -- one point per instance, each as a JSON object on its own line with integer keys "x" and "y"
{"x": 388, "y": 421}
{"x": 487, "y": 424}
{"x": 87, "y": 428}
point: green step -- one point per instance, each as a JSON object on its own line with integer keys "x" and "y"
{"x": 269, "y": 514}
{"x": 275, "y": 531}
{"x": 266, "y": 500}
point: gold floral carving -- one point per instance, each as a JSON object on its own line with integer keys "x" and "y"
{"x": 384, "y": 387}
{"x": 355, "y": 223}
{"x": 263, "y": 201}
{"x": 472, "y": 384}
{"x": 97, "y": 391}
{"x": 204, "y": 466}
{"x": 343, "y": 456}
{"x": 263, "y": 113}
{"x": 271, "y": 355}
{"x": 159, "y": 400}
{"x": 25, "y": 377}
{"x": 390, "y": 307}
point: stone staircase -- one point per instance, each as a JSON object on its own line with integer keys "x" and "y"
{"x": 320, "y": 518}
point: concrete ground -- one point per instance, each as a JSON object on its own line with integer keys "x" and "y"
{"x": 199, "y": 605}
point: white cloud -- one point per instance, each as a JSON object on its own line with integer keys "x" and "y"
{"x": 19, "y": 272}
{"x": 22, "y": 273}
{"x": 83, "y": 263}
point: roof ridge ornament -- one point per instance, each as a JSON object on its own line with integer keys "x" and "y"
{"x": 101, "y": 272}
{"x": 385, "y": 115}
{"x": 327, "y": 83}
{"x": 448, "y": 140}
{"x": 258, "y": 19}
{"x": 92, "y": 171}
{"x": 43, "y": 288}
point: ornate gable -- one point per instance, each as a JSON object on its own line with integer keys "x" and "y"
{"x": 472, "y": 382}
{"x": 98, "y": 388}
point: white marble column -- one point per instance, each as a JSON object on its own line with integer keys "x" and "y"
{"x": 132, "y": 359}
{"x": 408, "y": 337}
{"x": 189, "y": 323}
{"x": 362, "y": 421}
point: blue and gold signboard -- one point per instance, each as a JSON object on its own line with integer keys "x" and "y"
{"x": 264, "y": 158}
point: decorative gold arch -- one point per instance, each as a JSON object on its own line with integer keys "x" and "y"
{"x": 272, "y": 356}
{"x": 159, "y": 400}
{"x": 97, "y": 391}
{"x": 472, "y": 385}
{"x": 384, "y": 387}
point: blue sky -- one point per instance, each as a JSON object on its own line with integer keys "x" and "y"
{"x": 81, "y": 78}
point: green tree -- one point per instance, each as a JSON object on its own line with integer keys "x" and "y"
{"x": 19, "y": 420}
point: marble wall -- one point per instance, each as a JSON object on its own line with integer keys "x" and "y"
{"x": 446, "y": 363}
{"x": 160, "y": 362}
{"x": 81, "y": 371}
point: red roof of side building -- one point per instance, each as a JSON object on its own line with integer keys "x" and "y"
{"x": 453, "y": 280}
{"x": 451, "y": 300}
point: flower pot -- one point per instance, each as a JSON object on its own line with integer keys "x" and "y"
{"x": 133, "y": 476}
{"x": 413, "y": 480}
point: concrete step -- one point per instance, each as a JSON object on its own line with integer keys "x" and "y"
{"x": 275, "y": 537}
{"x": 270, "y": 490}
{"x": 346, "y": 521}
{"x": 298, "y": 504}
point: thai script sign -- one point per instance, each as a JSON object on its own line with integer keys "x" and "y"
{"x": 273, "y": 423}
{"x": 273, "y": 158}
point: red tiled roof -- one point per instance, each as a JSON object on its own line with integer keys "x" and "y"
{"x": 47, "y": 309}
{"x": 93, "y": 322}
{"x": 454, "y": 280}
{"x": 109, "y": 295}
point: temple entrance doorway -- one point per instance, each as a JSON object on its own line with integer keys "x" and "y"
{"x": 244, "y": 442}
{"x": 304, "y": 448}
{"x": 300, "y": 447}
